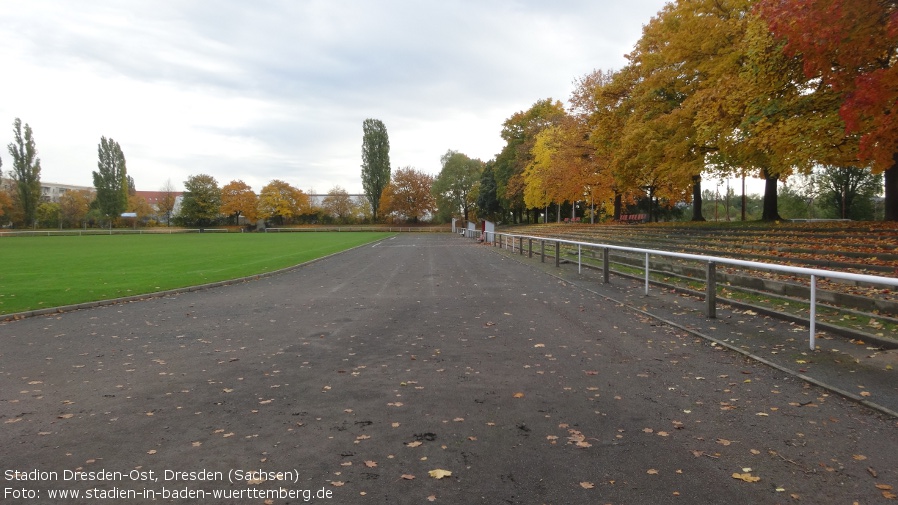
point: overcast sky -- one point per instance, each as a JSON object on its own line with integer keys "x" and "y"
{"x": 278, "y": 89}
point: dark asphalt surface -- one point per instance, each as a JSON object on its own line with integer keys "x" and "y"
{"x": 426, "y": 352}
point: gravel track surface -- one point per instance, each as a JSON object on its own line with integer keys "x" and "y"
{"x": 359, "y": 374}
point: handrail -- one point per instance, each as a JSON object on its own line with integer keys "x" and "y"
{"x": 711, "y": 261}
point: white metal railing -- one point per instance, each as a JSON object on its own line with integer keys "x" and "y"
{"x": 507, "y": 240}
{"x": 103, "y": 231}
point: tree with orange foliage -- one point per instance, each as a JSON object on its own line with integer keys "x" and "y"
{"x": 74, "y": 206}
{"x": 408, "y": 195}
{"x": 238, "y": 199}
{"x": 848, "y": 47}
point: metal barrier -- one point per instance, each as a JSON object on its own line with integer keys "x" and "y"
{"x": 507, "y": 241}
{"x": 77, "y": 232}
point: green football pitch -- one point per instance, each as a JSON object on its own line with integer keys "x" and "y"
{"x": 41, "y": 272}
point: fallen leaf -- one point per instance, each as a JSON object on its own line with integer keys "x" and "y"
{"x": 371, "y": 464}
{"x": 151, "y": 451}
{"x": 432, "y": 498}
{"x": 884, "y": 487}
{"x": 395, "y": 425}
{"x": 587, "y": 485}
{"x": 363, "y": 437}
{"x": 196, "y": 444}
{"x": 408, "y": 476}
{"x": 859, "y": 457}
{"x": 652, "y": 471}
{"x": 416, "y": 443}
{"x": 747, "y": 477}
{"x": 439, "y": 473}
{"x": 66, "y": 416}
{"x": 519, "y": 395}
{"x": 337, "y": 483}
{"x": 723, "y": 441}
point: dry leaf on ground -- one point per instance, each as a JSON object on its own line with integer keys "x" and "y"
{"x": 439, "y": 473}
{"x": 747, "y": 477}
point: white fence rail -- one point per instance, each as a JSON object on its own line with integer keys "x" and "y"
{"x": 508, "y": 241}
{"x": 74, "y": 232}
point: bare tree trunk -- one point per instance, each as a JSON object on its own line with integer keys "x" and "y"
{"x": 697, "y": 198}
{"x": 771, "y": 212}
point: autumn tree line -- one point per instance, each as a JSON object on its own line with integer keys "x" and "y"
{"x": 716, "y": 89}
{"x": 774, "y": 89}
{"x": 798, "y": 90}
{"x": 406, "y": 194}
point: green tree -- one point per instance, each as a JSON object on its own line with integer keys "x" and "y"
{"x": 111, "y": 179}
{"x": 48, "y": 215}
{"x": 848, "y": 192}
{"x": 488, "y": 204}
{"x": 26, "y": 171}
{"x": 201, "y": 204}
{"x": 456, "y": 186}
{"x": 375, "y": 161}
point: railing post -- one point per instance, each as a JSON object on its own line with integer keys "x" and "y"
{"x": 521, "y": 246}
{"x": 529, "y": 247}
{"x": 813, "y": 311}
{"x": 542, "y": 251}
{"x": 646, "y": 274}
{"x": 606, "y": 261}
{"x": 557, "y": 253}
{"x": 711, "y": 291}
{"x": 579, "y": 260}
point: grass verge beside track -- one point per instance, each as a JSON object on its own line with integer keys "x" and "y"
{"x": 40, "y": 272}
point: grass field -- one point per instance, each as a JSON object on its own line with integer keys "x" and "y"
{"x": 39, "y": 272}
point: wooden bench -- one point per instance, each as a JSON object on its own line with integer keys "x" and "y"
{"x": 633, "y": 218}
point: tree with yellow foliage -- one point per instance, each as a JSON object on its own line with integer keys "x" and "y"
{"x": 282, "y": 202}
{"x": 238, "y": 199}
